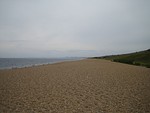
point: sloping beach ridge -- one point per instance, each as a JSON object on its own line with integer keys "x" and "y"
{"x": 85, "y": 86}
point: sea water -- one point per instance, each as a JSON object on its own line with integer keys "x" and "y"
{"x": 9, "y": 63}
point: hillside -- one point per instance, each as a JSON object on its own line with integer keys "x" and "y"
{"x": 141, "y": 58}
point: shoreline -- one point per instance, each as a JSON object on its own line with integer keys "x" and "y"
{"x": 59, "y": 62}
{"x": 35, "y": 65}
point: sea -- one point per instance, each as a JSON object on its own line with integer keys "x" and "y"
{"x": 10, "y": 63}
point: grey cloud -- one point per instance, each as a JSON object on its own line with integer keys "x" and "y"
{"x": 98, "y": 27}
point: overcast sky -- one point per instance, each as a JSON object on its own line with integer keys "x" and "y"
{"x": 60, "y": 28}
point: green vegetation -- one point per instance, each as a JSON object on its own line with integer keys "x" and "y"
{"x": 141, "y": 58}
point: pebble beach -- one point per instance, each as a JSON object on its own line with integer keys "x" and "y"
{"x": 85, "y": 86}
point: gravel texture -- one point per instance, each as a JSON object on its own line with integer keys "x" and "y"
{"x": 86, "y": 86}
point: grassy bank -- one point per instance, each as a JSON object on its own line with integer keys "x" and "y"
{"x": 141, "y": 58}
